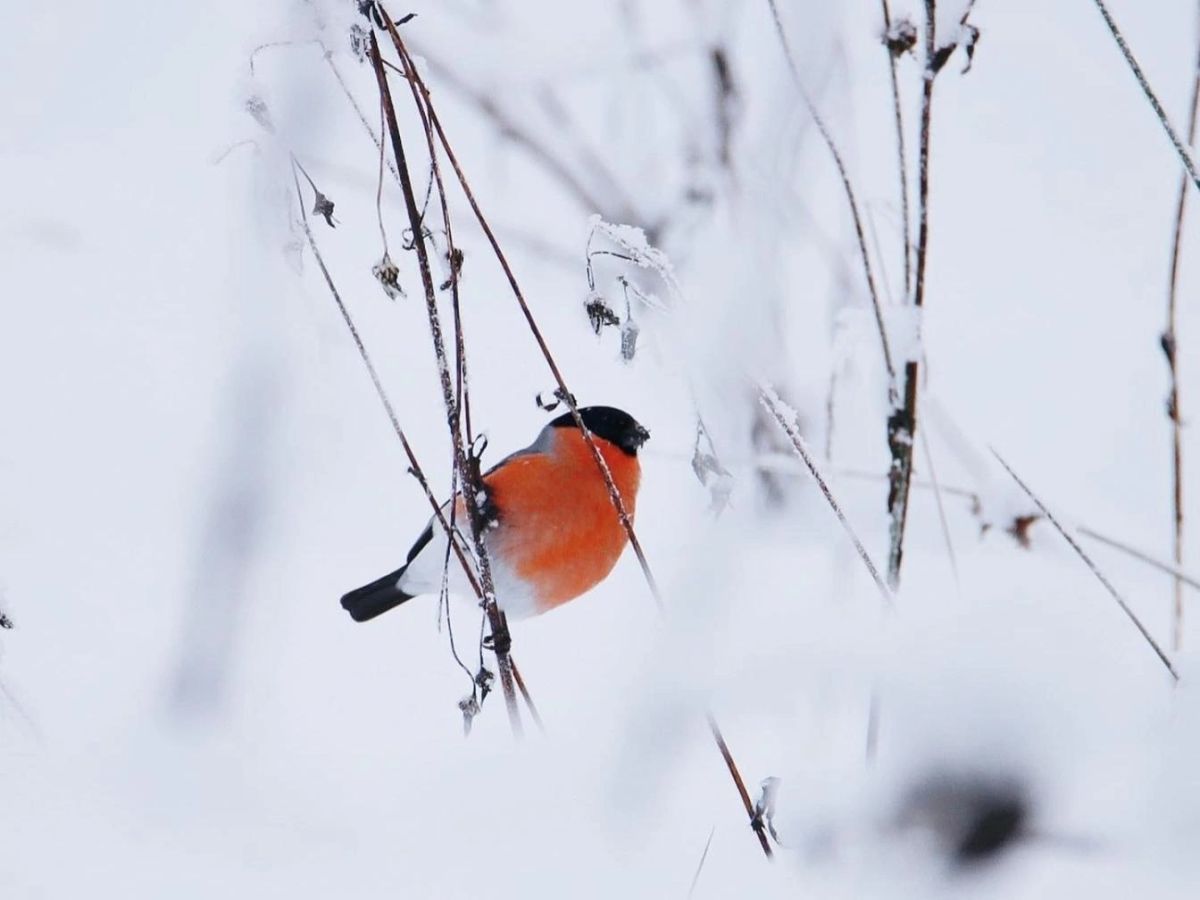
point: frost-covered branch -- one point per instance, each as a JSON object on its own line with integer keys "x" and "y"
{"x": 778, "y": 412}
{"x": 1185, "y": 157}
{"x": 902, "y": 423}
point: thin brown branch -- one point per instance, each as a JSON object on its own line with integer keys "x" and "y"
{"x": 756, "y": 822}
{"x": 1170, "y": 347}
{"x": 902, "y": 423}
{"x": 469, "y": 478}
{"x": 1112, "y": 591}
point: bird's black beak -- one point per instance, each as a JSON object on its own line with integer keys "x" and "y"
{"x": 636, "y": 436}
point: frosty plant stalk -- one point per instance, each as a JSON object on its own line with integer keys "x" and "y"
{"x": 902, "y": 423}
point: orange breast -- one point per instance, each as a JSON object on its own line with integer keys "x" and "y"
{"x": 559, "y": 531}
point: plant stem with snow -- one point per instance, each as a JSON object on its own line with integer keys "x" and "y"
{"x": 1170, "y": 347}
{"x": 902, "y": 423}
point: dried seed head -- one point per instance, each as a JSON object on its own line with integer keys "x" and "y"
{"x": 469, "y": 707}
{"x": 599, "y": 313}
{"x": 358, "y": 42}
{"x": 1019, "y": 529}
{"x": 387, "y": 273}
{"x": 323, "y": 206}
{"x": 900, "y": 38}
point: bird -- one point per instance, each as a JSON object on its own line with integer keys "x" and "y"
{"x": 551, "y": 530}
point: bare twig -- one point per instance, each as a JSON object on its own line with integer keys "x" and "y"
{"x": 902, "y": 423}
{"x": 756, "y": 821}
{"x": 902, "y": 166}
{"x": 502, "y": 642}
{"x": 774, "y": 406}
{"x": 848, "y": 189}
{"x": 1184, "y": 157}
{"x": 1170, "y": 347}
{"x": 1092, "y": 566}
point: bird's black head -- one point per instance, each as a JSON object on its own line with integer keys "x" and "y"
{"x": 614, "y": 425}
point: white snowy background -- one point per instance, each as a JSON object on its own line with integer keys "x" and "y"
{"x": 194, "y": 466}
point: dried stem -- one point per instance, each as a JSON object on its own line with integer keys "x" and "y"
{"x": 1092, "y": 566}
{"x": 848, "y": 189}
{"x": 775, "y": 407}
{"x": 902, "y": 423}
{"x": 901, "y": 152}
{"x": 1189, "y": 164}
{"x": 756, "y": 821}
{"x": 469, "y": 477}
{"x": 1170, "y": 347}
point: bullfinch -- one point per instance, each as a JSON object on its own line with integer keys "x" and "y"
{"x": 551, "y": 530}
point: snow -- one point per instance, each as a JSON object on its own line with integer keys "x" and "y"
{"x": 195, "y": 467}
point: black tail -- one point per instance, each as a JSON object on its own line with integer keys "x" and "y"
{"x": 375, "y": 598}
